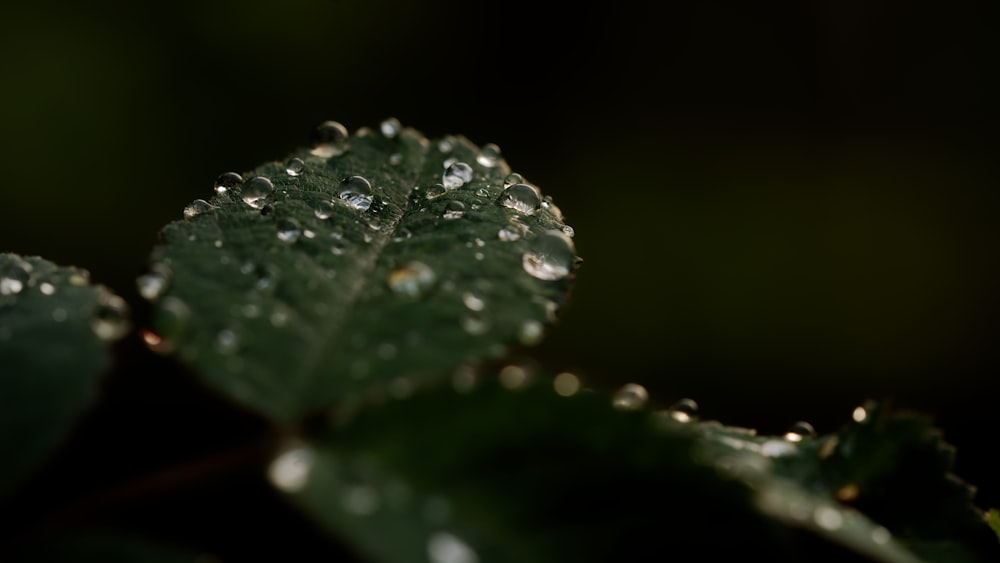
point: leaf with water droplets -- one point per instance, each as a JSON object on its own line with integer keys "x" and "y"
{"x": 55, "y": 331}
{"x": 356, "y": 256}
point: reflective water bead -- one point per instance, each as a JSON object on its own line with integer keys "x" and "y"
{"x": 395, "y": 159}
{"x": 566, "y": 384}
{"x": 197, "y": 207}
{"x": 47, "y": 288}
{"x": 630, "y": 396}
{"x": 530, "y": 332}
{"x": 256, "y": 190}
{"x": 551, "y": 257}
{"x": 453, "y": 210}
{"x": 523, "y": 198}
{"x": 489, "y": 155}
{"x": 328, "y": 139}
{"x": 509, "y": 233}
{"x": 483, "y": 192}
{"x": 511, "y": 179}
{"x": 226, "y": 342}
{"x": 324, "y": 209}
{"x": 446, "y": 144}
{"x": 111, "y": 318}
{"x": 568, "y": 231}
{"x": 356, "y": 192}
{"x": 443, "y": 547}
{"x": 473, "y": 302}
{"x": 456, "y": 175}
{"x": 390, "y": 127}
{"x": 435, "y": 191}
{"x": 294, "y": 166}
{"x": 411, "y": 280}
{"x": 227, "y": 181}
{"x": 684, "y": 410}
{"x": 799, "y": 431}
{"x": 152, "y": 285}
{"x": 289, "y": 471}
{"x": 14, "y": 276}
{"x": 289, "y": 231}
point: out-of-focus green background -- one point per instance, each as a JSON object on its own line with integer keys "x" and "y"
{"x": 783, "y": 209}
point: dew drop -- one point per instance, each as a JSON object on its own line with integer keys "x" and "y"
{"x": 279, "y": 317}
{"x": 111, "y": 318}
{"x": 512, "y": 179}
{"x": 475, "y": 325}
{"x": 401, "y": 235}
{"x": 294, "y": 166}
{"x": 390, "y": 127}
{"x": 568, "y": 231}
{"x": 454, "y": 210}
{"x": 256, "y": 190}
{"x": 512, "y": 232}
{"x": 630, "y": 397}
{"x": 324, "y": 209}
{"x": 356, "y": 192}
{"x": 828, "y": 517}
{"x": 435, "y": 191}
{"x": 289, "y": 471}
{"x": 551, "y": 258}
{"x": 881, "y": 535}
{"x": 800, "y": 431}
{"x": 226, "y": 342}
{"x": 530, "y": 332}
{"x": 523, "y": 198}
{"x": 227, "y": 181}
{"x": 443, "y": 547}
{"x": 472, "y": 302}
{"x": 684, "y": 410}
{"x": 566, "y": 384}
{"x": 483, "y": 192}
{"x": 456, "y": 175}
{"x": 329, "y": 139}
{"x": 489, "y": 155}
{"x": 152, "y": 285}
{"x": 860, "y": 414}
{"x": 289, "y": 231}
{"x": 14, "y": 276}
{"x": 395, "y": 159}
{"x": 412, "y": 280}
{"x": 197, "y": 207}
{"x": 47, "y": 288}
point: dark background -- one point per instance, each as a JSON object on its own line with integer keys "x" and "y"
{"x": 783, "y": 209}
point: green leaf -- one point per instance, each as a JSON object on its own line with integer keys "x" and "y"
{"x": 105, "y": 546}
{"x": 290, "y": 299}
{"x": 55, "y": 331}
{"x": 993, "y": 519}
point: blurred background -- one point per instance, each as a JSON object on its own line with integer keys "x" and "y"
{"x": 783, "y": 208}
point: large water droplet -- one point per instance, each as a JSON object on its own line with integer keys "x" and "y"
{"x": 14, "y": 276}
{"x": 523, "y": 198}
{"x": 443, "y": 547}
{"x": 111, "y": 318}
{"x": 412, "y": 280}
{"x": 227, "y": 181}
{"x": 551, "y": 257}
{"x": 489, "y": 155}
{"x": 197, "y": 207}
{"x": 256, "y": 190}
{"x": 456, "y": 175}
{"x": 684, "y": 410}
{"x": 289, "y": 231}
{"x": 289, "y": 470}
{"x": 294, "y": 166}
{"x": 329, "y": 139}
{"x": 630, "y": 396}
{"x": 453, "y": 210}
{"x": 390, "y": 127}
{"x": 356, "y": 191}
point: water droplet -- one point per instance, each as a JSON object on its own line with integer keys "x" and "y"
{"x": 78, "y": 276}
{"x": 551, "y": 207}
{"x": 475, "y": 325}
{"x": 630, "y": 397}
{"x": 289, "y": 470}
{"x": 828, "y": 517}
{"x": 256, "y": 190}
{"x": 523, "y": 198}
{"x": 800, "y": 431}
{"x": 395, "y": 159}
{"x": 435, "y": 191}
{"x": 390, "y": 128}
{"x": 226, "y": 342}
{"x": 294, "y": 166}
{"x": 197, "y": 207}
{"x": 489, "y": 155}
{"x": 860, "y": 414}
{"x": 456, "y": 175}
{"x": 684, "y": 410}
{"x": 329, "y": 139}
{"x": 152, "y": 285}
{"x": 446, "y": 144}
{"x": 47, "y": 288}
{"x": 530, "y": 332}
{"x": 566, "y": 384}
{"x": 511, "y": 179}
{"x": 443, "y": 547}
{"x": 401, "y": 235}
{"x": 356, "y": 192}
{"x": 412, "y": 280}
{"x": 483, "y": 192}
{"x": 551, "y": 258}
{"x": 324, "y": 209}
{"x": 289, "y": 231}
{"x": 453, "y": 210}
{"x": 14, "y": 276}
{"x": 568, "y": 231}
{"x": 111, "y": 318}
{"x": 472, "y": 302}
{"x": 361, "y": 500}
{"x": 512, "y": 232}
{"x": 513, "y": 376}
{"x": 227, "y": 181}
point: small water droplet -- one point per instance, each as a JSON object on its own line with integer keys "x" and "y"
{"x": 568, "y": 231}
{"x": 630, "y": 396}
{"x": 475, "y": 325}
{"x": 289, "y": 231}
{"x": 512, "y": 231}
{"x": 828, "y": 517}
{"x": 443, "y": 547}
{"x": 489, "y": 155}
{"x": 483, "y": 192}
{"x": 294, "y": 166}
{"x": 227, "y": 181}
{"x": 456, "y": 175}
{"x": 401, "y": 235}
{"x": 412, "y": 280}
{"x": 511, "y": 179}
{"x": 395, "y": 159}
{"x": 324, "y": 209}
{"x": 111, "y": 318}
{"x": 551, "y": 258}
{"x": 309, "y": 234}
{"x": 256, "y": 190}
{"x": 860, "y": 414}
{"x": 279, "y": 317}
{"x": 473, "y": 302}
{"x": 446, "y": 145}
{"x": 356, "y": 192}
{"x": 684, "y": 410}
{"x": 523, "y": 198}
{"x": 197, "y": 207}
{"x": 152, "y": 285}
{"x": 390, "y": 127}
{"x": 453, "y": 210}
{"x": 530, "y": 332}
{"x": 14, "y": 276}
{"x": 881, "y": 535}
{"x": 800, "y": 431}
{"x": 464, "y": 378}
{"x": 566, "y": 384}
{"x": 47, "y": 288}
{"x": 289, "y": 471}
{"x": 226, "y": 342}
{"x": 329, "y": 139}
{"x": 435, "y": 191}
